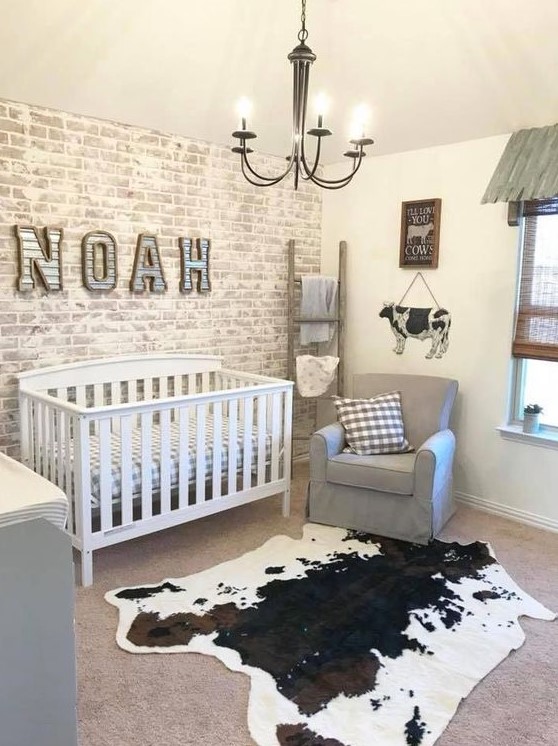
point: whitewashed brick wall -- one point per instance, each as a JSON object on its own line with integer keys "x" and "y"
{"x": 82, "y": 174}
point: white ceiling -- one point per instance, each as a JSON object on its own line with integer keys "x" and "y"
{"x": 432, "y": 71}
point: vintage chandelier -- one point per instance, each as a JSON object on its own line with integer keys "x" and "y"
{"x": 301, "y": 58}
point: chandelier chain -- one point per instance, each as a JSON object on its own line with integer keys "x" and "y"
{"x": 303, "y": 33}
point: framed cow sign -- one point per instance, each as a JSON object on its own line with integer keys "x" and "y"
{"x": 420, "y": 233}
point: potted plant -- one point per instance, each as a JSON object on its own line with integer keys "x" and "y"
{"x": 531, "y": 414}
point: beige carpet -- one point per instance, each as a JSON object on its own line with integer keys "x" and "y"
{"x": 173, "y": 700}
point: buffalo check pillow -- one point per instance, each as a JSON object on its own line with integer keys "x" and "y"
{"x": 373, "y": 426}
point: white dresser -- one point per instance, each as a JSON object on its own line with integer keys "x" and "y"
{"x": 37, "y": 648}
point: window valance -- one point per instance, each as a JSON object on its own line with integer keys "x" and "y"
{"x": 528, "y": 168}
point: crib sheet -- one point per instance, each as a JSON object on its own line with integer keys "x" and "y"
{"x": 116, "y": 474}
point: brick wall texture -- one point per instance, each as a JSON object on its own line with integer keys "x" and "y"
{"x": 83, "y": 174}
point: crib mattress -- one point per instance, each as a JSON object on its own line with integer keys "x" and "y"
{"x": 25, "y": 495}
{"x": 174, "y": 457}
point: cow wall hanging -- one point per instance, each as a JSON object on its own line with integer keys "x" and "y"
{"x": 418, "y": 323}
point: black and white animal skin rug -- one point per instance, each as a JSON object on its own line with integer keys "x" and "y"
{"x": 349, "y": 639}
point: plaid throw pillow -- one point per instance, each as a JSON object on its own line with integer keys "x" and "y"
{"x": 373, "y": 426}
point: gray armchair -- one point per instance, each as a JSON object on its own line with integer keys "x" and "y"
{"x": 404, "y": 495}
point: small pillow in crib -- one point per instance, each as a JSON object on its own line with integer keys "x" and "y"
{"x": 373, "y": 426}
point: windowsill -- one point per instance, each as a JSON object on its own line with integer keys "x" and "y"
{"x": 545, "y": 438}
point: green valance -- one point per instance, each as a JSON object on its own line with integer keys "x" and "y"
{"x": 528, "y": 168}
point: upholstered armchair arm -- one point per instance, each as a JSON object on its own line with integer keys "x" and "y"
{"x": 325, "y": 443}
{"x": 434, "y": 463}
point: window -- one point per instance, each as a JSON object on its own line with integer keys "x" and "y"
{"x": 535, "y": 344}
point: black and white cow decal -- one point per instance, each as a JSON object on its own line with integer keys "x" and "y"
{"x": 419, "y": 323}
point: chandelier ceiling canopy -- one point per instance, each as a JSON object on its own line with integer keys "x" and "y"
{"x": 301, "y": 59}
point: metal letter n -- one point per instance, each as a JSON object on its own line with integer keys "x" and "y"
{"x": 39, "y": 259}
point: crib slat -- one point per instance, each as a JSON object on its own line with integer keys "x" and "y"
{"x": 233, "y": 444}
{"x": 132, "y": 396}
{"x": 81, "y": 396}
{"x": 247, "y": 448}
{"x": 132, "y": 391}
{"x": 183, "y": 456}
{"x": 105, "y": 468}
{"x": 200, "y": 453}
{"x": 163, "y": 387}
{"x": 146, "y": 463}
{"x": 69, "y": 459}
{"x": 177, "y": 385}
{"x": 38, "y": 429}
{"x": 82, "y": 460}
{"x": 32, "y": 433}
{"x": 44, "y": 441}
{"x": 262, "y": 429}
{"x": 60, "y": 442}
{"x": 275, "y": 435}
{"x": 217, "y": 447}
{"x": 115, "y": 393}
{"x": 148, "y": 389}
{"x": 115, "y": 398}
{"x": 165, "y": 461}
{"x": 98, "y": 395}
{"x": 24, "y": 404}
{"x": 205, "y": 381}
{"x": 51, "y": 445}
{"x": 191, "y": 383}
{"x": 126, "y": 469}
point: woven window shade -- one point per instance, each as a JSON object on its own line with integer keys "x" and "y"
{"x": 528, "y": 168}
{"x": 536, "y": 331}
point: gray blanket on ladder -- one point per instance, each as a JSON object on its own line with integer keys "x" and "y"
{"x": 318, "y": 300}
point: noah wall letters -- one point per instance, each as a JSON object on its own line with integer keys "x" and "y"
{"x": 40, "y": 260}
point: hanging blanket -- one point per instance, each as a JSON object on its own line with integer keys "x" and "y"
{"x": 319, "y": 294}
{"x": 314, "y": 374}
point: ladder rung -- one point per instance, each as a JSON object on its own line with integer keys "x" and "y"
{"x": 298, "y": 278}
{"x": 304, "y": 320}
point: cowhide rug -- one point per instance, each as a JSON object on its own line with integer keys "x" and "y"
{"x": 349, "y": 639}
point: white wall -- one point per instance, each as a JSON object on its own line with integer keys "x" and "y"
{"x": 475, "y": 281}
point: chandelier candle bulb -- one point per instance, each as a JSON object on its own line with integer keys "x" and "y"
{"x": 244, "y": 109}
{"x": 322, "y": 107}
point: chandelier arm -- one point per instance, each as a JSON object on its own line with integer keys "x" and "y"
{"x": 320, "y": 181}
{"x": 338, "y": 183}
{"x": 310, "y": 172}
{"x": 265, "y": 180}
{"x": 307, "y": 170}
{"x": 269, "y": 179}
{"x": 327, "y": 185}
{"x": 259, "y": 183}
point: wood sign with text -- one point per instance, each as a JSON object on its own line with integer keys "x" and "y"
{"x": 420, "y": 233}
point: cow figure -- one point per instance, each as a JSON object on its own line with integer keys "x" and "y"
{"x": 419, "y": 323}
{"x": 419, "y": 231}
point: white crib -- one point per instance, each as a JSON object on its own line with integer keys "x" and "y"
{"x": 142, "y": 443}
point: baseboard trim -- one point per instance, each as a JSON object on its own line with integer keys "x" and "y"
{"x": 514, "y": 514}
